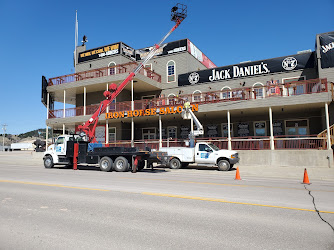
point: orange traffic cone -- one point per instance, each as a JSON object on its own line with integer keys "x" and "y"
{"x": 237, "y": 174}
{"x": 306, "y": 180}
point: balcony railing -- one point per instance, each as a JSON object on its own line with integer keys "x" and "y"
{"x": 238, "y": 143}
{"x": 239, "y": 94}
{"x": 107, "y": 71}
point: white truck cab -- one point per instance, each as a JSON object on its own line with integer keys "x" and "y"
{"x": 203, "y": 154}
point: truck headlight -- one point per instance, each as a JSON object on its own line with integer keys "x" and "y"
{"x": 234, "y": 156}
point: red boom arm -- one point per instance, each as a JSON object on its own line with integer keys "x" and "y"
{"x": 86, "y": 129}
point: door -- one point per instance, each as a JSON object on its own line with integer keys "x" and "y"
{"x": 205, "y": 154}
{"x": 60, "y": 146}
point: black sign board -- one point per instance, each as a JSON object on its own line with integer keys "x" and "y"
{"x": 184, "y": 132}
{"x": 279, "y": 64}
{"x": 327, "y": 50}
{"x": 108, "y": 50}
{"x": 278, "y": 128}
{"x": 212, "y": 130}
{"x": 165, "y": 49}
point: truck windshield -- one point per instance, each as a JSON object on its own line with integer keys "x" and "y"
{"x": 214, "y": 147}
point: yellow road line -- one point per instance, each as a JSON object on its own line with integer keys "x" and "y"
{"x": 52, "y": 185}
{"x": 231, "y": 202}
{"x": 221, "y": 184}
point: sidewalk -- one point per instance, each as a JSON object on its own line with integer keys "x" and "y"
{"x": 31, "y": 158}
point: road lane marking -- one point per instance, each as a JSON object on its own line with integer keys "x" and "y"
{"x": 52, "y": 185}
{"x": 222, "y": 184}
{"x": 230, "y": 202}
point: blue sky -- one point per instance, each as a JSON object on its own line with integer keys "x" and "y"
{"x": 37, "y": 38}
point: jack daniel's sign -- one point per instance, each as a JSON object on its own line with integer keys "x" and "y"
{"x": 280, "y": 64}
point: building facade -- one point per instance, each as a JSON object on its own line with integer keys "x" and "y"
{"x": 277, "y": 103}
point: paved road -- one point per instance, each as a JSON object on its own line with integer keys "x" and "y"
{"x": 61, "y": 208}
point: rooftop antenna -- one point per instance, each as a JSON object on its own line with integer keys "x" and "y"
{"x": 84, "y": 40}
{"x": 76, "y": 39}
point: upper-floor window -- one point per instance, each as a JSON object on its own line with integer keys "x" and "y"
{"x": 112, "y": 68}
{"x": 226, "y": 93}
{"x": 171, "y": 99}
{"x": 258, "y": 90}
{"x": 197, "y": 96}
{"x": 171, "y": 71}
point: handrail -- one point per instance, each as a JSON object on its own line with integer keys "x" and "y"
{"x": 100, "y": 72}
{"x": 239, "y": 94}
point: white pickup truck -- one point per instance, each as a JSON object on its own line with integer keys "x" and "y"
{"x": 203, "y": 154}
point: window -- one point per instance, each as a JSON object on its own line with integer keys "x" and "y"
{"x": 297, "y": 127}
{"x": 112, "y": 134}
{"x": 149, "y": 133}
{"x": 226, "y": 93}
{"x": 148, "y": 72}
{"x": 171, "y": 71}
{"x": 225, "y": 129}
{"x": 171, "y": 99}
{"x": 112, "y": 105}
{"x": 197, "y": 96}
{"x": 112, "y": 68}
{"x": 204, "y": 147}
{"x": 258, "y": 90}
{"x": 172, "y": 132}
{"x": 260, "y": 128}
{"x": 293, "y": 88}
{"x": 60, "y": 140}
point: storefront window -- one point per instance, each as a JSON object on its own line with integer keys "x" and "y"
{"x": 149, "y": 133}
{"x": 112, "y": 134}
{"x": 225, "y": 129}
{"x": 260, "y": 128}
{"x": 297, "y": 127}
{"x": 172, "y": 132}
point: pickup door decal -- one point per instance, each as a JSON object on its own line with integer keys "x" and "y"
{"x": 205, "y": 155}
{"x": 58, "y": 149}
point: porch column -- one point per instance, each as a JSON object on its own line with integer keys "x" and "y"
{"x": 272, "y": 144}
{"x": 160, "y": 132}
{"x": 229, "y": 143}
{"x": 46, "y": 137}
{"x": 132, "y": 123}
{"x": 327, "y": 124}
{"x": 84, "y": 97}
{"x": 107, "y": 131}
{"x": 47, "y": 105}
{"x": 64, "y": 102}
{"x": 63, "y": 129}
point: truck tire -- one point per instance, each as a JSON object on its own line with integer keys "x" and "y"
{"x": 106, "y": 164}
{"x": 223, "y": 165}
{"x": 48, "y": 162}
{"x": 121, "y": 164}
{"x": 174, "y": 163}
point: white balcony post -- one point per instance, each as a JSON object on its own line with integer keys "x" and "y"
{"x": 272, "y": 144}
{"x": 107, "y": 131}
{"x": 64, "y": 102}
{"x": 63, "y": 129}
{"x": 107, "y": 110}
{"x": 327, "y": 125}
{"x": 46, "y": 137}
{"x": 229, "y": 142}
{"x": 84, "y": 97}
{"x": 132, "y": 123}
{"x": 47, "y": 105}
{"x": 160, "y": 132}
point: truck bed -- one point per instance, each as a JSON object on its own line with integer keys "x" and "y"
{"x": 182, "y": 153}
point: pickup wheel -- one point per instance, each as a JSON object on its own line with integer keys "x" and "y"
{"x": 106, "y": 164}
{"x": 223, "y": 165}
{"x": 174, "y": 163}
{"x": 48, "y": 162}
{"x": 121, "y": 164}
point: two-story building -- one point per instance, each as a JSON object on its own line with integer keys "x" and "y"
{"x": 275, "y": 104}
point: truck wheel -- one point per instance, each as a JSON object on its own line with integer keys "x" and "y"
{"x": 106, "y": 164}
{"x": 48, "y": 162}
{"x": 174, "y": 163}
{"x": 121, "y": 164}
{"x": 223, "y": 165}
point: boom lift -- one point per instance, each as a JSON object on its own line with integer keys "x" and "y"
{"x": 73, "y": 149}
{"x": 87, "y": 130}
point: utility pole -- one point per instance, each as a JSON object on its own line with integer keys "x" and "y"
{"x": 3, "y": 136}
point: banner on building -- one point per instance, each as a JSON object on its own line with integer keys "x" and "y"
{"x": 327, "y": 50}
{"x": 199, "y": 55}
{"x": 279, "y": 64}
{"x": 108, "y": 50}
